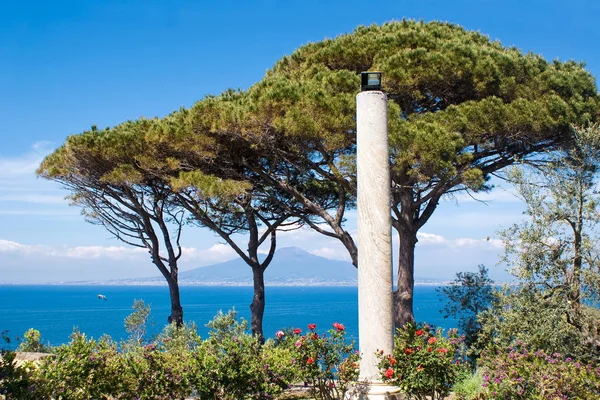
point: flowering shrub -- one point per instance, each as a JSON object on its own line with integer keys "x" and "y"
{"x": 236, "y": 366}
{"x": 518, "y": 373}
{"x": 326, "y": 362}
{"x": 82, "y": 369}
{"x": 162, "y": 369}
{"x": 424, "y": 363}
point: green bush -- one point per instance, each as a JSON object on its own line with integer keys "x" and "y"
{"x": 521, "y": 374}
{"x": 15, "y": 381}
{"x": 33, "y": 342}
{"x": 83, "y": 369}
{"x": 155, "y": 373}
{"x": 236, "y": 366}
{"x": 424, "y": 363}
{"x": 326, "y": 362}
{"x": 468, "y": 386}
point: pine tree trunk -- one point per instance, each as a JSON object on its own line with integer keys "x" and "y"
{"x": 257, "y": 307}
{"x": 403, "y": 296}
{"x": 176, "y": 309}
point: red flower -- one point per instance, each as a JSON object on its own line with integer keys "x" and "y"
{"x": 310, "y": 360}
{"x": 431, "y": 340}
{"x": 312, "y": 326}
{"x": 419, "y": 332}
{"x": 429, "y": 349}
{"x": 339, "y": 327}
{"x": 297, "y": 331}
{"x": 442, "y": 350}
{"x": 392, "y": 361}
{"x": 408, "y": 350}
{"x": 389, "y": 373}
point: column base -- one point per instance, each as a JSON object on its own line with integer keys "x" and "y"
{"x": 374, "y": 391}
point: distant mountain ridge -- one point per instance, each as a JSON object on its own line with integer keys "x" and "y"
{"x": 291, "y": 266}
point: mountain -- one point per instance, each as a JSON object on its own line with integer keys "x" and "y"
{"x": 291, "y": 266}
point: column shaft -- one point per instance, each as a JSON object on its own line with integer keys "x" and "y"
{"x": 374, "y": 232}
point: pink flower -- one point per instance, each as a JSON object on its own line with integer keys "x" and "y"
{"x": 389, "y": 373}
{"x": 298, "y": 343}
{"x": 339, "y": 327}
{"x": 312, "y": 326}
{"x": 297, "y": 331}
{"x": 279, "y": 334}
{"x": 442, "y": 350}
{"x": 431, "y": 340}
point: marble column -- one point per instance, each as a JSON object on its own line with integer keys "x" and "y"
{"x": 375, "y": 318}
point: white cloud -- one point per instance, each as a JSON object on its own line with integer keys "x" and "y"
{"x": 487, "y": 242}
{"x": 94, "y": 252}
{"x": 332, "y": 253}
{"x": 13, "y": 167}
{"x": 7, "y": 246}
{"x": 77, "y": 252}
{"x": 430, "y": 238}
{"x": 216, "y": 253}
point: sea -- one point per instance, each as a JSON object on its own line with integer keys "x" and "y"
{"x": 56, "y": 310}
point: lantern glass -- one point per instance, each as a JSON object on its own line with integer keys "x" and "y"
{"x": 370, "y": 81}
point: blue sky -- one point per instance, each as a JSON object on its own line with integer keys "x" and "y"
{"x": 66, "y": 65}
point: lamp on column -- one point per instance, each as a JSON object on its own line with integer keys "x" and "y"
{"x": 370, "y": 81}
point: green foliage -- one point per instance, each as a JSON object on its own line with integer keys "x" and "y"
{"x": 155, "y": 373}
{"x": 468, "y": 295}
{"x": 553, "y": 256}
{"x": 424, "y": 363}
{"x": 461, "y": 108}
{"x": 32, "y": 342}
{"x": 520, "y": 313}
{"x": 235, "y": 361}
{"x": 230, "y": 365}
{"x": 15, "y": 379}
{"x": 326, "y": 362}
{"x": 468, "y": 386}
{"x": 83, "y": 369}
{"x": 136, "y": 322}
{"x": 522, "y": 374}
